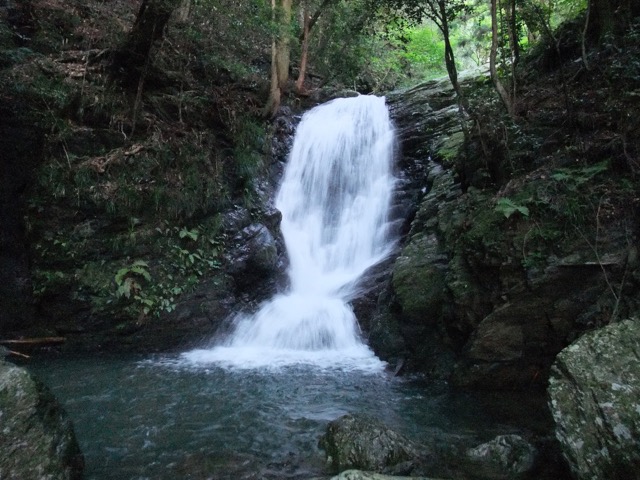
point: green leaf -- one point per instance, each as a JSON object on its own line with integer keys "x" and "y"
{"x": 192, "y": 234}
{"x": 507, "y": 207}
{"x": 141, "y": 271}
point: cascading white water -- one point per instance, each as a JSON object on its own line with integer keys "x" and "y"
{"x": 334, "y": 200}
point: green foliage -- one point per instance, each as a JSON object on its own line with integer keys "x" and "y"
{"x": 507, "y": 207}
{"x": 129, "y": 279}
{"x": 176, "y": 180}
{"x": 149, "y": 289}
{"x": 14, "y": 56}
{"x": 424, "y": 53}
{"x": 574, "y": 178}
{"x": 224, "y": 37}
{"x": 45, "y": 281}
{"x": 471, "y": 37}
{"x": 340, "y": 44}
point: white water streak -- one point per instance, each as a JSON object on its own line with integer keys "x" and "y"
{"x": 334, "y": 200}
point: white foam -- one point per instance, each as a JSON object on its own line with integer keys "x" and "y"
{"x": 334, "y": 200}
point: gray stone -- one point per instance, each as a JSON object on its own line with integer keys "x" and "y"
{"x": 235, "y": 220}
{"x": 360, "y": 475}
{"x": 418, "y": 280}
{"x": 255, "y": 253}
{"x": 506, "y": 456}
{"x": 594, "y": 392}
{"x": 37, "y": 441}
{"x": 361, "y": 442}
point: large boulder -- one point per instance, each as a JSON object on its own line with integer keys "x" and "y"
{"x": 356, "y": 441}
{"x": 37, "y": 441}
{"x": 594, "y": 392}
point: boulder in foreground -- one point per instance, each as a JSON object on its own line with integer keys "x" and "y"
{"x": 594, "y": 392}
{"x": 37, "y": 441}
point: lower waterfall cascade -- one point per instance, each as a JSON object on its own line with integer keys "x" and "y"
{"x": 334, "y": 198}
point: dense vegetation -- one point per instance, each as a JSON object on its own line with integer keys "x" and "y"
{"x": 144, "y": 122}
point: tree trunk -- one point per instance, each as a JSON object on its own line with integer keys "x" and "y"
{"x": 514, "y": 46}
{"x": 184, "y": 11}
{"x": 502, "y": 92}
{"x": 280, "y": 54}
{"x": 611, "y": 18}
{"x": 283, "y": 45}
{"x": 314, "y": 19}
{"x": 130, "y": 59}
{"x": 602, "y": 21}
{"x": 305, "y": 49}
{"x": 449, "y": 58}
{"x": 273, "y": 102}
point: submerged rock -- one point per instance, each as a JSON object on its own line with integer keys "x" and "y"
{"x": 360, "y": 475}
{"x": 594, "y": 391}
{"x": 506, "y": 456}
{"x": 361, "y": 442}
{"x": 37, "y": 441}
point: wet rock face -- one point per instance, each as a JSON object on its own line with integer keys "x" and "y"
{"x": 360, "y": 442}
{"x": 254, "y": 257}
{"x": 37, "y": 438}
{"x": 594, "y": 392}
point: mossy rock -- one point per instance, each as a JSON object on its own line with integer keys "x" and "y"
{"x": 418, "y": 280}
{"x": 360, "y": 441}
{"x": 37, "y": 439}
{"x": 385, "y": 336}
{"x": 594, "y": 391}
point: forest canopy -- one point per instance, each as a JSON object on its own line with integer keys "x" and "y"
{"x": 366, "y": 45}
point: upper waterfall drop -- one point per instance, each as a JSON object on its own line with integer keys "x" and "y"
{"x": 334, "y": 198}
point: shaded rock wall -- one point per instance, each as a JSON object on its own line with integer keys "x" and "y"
{"x": 21, "y": 146}
{"x": 470, "y": 299}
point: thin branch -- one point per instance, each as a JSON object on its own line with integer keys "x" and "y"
{"x": 584, "y": 37}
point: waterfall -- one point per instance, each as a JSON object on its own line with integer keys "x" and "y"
{"x": 334, "y": 199}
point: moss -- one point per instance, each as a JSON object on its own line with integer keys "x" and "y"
{"x": 418, "y": 281}
{"x": 36, "y": 430}
{"x": 449, "y": 149}
{"x": 385, "y": 336}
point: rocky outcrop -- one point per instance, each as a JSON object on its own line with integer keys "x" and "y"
{"x": 254, "y": 256}
{"x": 37, "y": 438}
{"x": 482, "y": 293}
{"x": 363, "y": 448}
{"x": 594, "y": 392}
{"x": 361, "y": 442}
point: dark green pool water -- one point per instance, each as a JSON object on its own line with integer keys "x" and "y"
{"x": 162, "y": 418}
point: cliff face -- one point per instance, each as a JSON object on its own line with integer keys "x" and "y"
{"x": 511, "y": 256}
{"x": 132, "y": 218}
